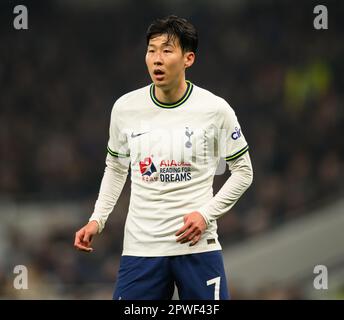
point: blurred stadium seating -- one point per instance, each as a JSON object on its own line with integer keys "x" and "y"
{"x": 60, "y": 78}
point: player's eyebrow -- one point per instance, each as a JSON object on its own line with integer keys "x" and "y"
{"x": 169, "y": 43}
{"x": 164, "y": 44}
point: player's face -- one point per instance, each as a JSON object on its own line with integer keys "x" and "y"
{"x": 166, "y": 61}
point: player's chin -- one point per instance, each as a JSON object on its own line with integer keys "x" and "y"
{"x": 160, "y": 84}
{"x": 160, "y": 81}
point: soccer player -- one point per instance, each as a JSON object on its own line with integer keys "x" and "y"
{"x": 172, "y": 134}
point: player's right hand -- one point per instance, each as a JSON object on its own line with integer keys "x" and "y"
{"x": 83, "y": 237}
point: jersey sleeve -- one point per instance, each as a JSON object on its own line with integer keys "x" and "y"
{"x": 232, "y": 142}
{"x": 118, "y": 143}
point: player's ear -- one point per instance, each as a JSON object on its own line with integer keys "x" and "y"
{"x": 189, "y": 58}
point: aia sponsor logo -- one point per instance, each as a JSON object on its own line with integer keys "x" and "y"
{"x": 174, "y": 163}
{"x": 175, "y": 171}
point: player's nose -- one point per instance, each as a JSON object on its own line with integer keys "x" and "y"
{"x": 157, "y": 59}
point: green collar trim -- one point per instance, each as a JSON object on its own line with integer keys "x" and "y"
{"x": 175, "y": 104}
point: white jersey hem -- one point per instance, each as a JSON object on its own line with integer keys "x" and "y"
{"x": 188, "y": 250}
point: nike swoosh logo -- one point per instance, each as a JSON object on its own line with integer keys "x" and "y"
{"x": 137, "y": 135}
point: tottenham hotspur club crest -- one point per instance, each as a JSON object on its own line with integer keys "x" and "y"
{"x": 188, "y": 143}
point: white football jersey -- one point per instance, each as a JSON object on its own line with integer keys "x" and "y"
{"x": 174, "y": 150}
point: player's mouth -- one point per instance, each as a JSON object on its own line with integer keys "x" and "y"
{"x": 159, "y": 74}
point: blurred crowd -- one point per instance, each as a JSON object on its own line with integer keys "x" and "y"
{"x": 60, "y": 78}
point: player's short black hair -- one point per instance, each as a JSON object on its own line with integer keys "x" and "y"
{"x": 175, "y": 27}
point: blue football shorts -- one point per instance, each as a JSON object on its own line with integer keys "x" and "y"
{"x": 199, "y": 276}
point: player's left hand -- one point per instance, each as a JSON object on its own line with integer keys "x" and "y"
{"x": 194, "y": 226}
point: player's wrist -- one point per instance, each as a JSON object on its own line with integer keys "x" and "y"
{"x": 96, "y": 224}
{"x": 202, "y": 212}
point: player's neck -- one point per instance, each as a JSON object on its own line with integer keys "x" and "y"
{"x": 171, "y": 95}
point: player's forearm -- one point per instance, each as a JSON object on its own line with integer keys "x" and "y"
{"x": 115, "y": 175}
{"x": 240, "y": 179}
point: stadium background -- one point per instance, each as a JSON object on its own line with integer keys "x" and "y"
{"x": 58, "y": 82}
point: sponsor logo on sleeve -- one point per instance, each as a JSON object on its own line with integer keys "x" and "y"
{"x": 236, "y": 134}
